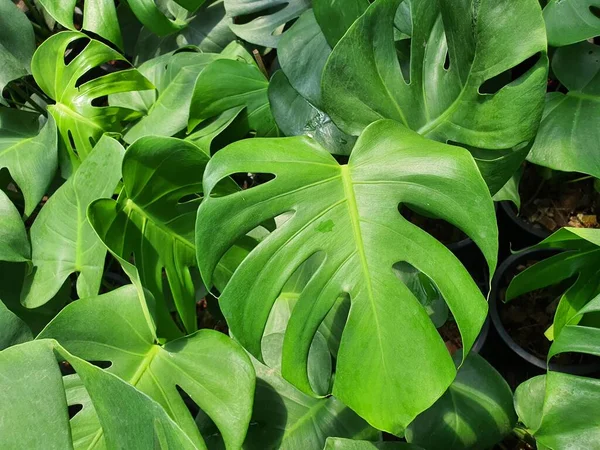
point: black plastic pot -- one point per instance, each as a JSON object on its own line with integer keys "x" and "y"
{"x": 507, "y": 265}
{"x": 518, "y": 232}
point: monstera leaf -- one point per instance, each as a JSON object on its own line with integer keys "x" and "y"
{"x": 569, "y": 139}
{"x": 151, "y": 222}
{"x": 17, "y": 43}
{"x": 207, "y": 365}
{"x": 13, "y": 330}
{"x": 390, "y": 366}
{"x": 80, "y": 123}
{"x": 164, "y": 17}
{"x": 14, "y": 244}
{"x": 455, "y": 47}
{"x": 334, "y": 19}
{"x": 208, "y": 30}
{"x": 268, "y": 18}
{"x": 227, "y": 84}
{"x": 476, "y": 412}
{"x": 349, "y": 444}
{"x": 99, "y": 16}
{"x": 571, "y": 21}
{"x": 63, "y": 242}
{"x": 32, "y": 381}
{"x": 29, "y": 150}
{"x": 580, "y": 257}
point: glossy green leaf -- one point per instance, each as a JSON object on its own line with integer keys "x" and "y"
{"x": 570, "y": 21}
{"x": 80, "y": 123}
{"x": 150, "y": 222}
{"x": 164, "y": 17}
{"x": 350, "y": 213}
{"x": 296, "y": 116}
{"x": 580, "y": 258}
{"x": 17, "y": 43}
{"x": 207, "y": 365}
{"x": 349, "y": 444}
{"x": 99, "y": 16}
{"x": 204, "y": 137}
{"x": 335, "y": 18}
{"x": 29, "y": 151}
{"x": 62, "y": 239}
{"x": 363, "y": 80}
{"x": 14, "y": 244}
{"x": 569, "y": 139}
{"x": 476, "y": 412}
{"x": 267, "y": 18}
{"x": 208, "y": 30}
{"x": 227, "y": 84}
{"x": 13, "y": 330}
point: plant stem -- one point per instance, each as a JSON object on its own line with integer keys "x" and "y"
{"x": 23, "y": 94}
{"x": 39, "y": 18}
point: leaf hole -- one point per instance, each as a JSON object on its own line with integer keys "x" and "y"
{"x": 443, "y": 231}
{"x": 243, "y": 180}
{"x": 74, "y": 409}
{"x": 74, "y": 49}
{"x": 595, "y": 10}
{"x": 100, "y": 101}
{"x": 447, "y": 61}
{"x": 190, "y": 404}
{"x": 510, "y": 76}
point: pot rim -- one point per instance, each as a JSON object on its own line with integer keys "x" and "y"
{"x": 507, "y": 207}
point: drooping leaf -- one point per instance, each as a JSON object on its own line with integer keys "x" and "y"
{"x": 580, "y": 258}
{"x": 164, "y": 17}
{"x": 17, "y": 43}
{"x": 62, "y": 240}
{"x": 227, "y": 84}
{"x": 14, "y": 244}
{"x": 571, "y": 21}
{"x": 207, "y": 365}
{"x": 295, "y": 116}
{"x": 208, "y": 30}
{"x": 390, "y": 367}
{"x": 568, "y": 138}
{"x": 150, "y": 222}
{"x": 363, "y": 80}
{"x": 476, "y": 412}
{"x": 80, "y": 123}
{"x": 99, "y": 16}
{"x": 349, "y": 444}
{"x": 13, "y": 330}
{"x": 267, "y": 18}
{"x": 29, "y": 151}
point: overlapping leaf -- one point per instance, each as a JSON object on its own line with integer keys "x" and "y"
{"x": 207, "y": 365}
{"x": 14, "y": 244}
{"x": 571, "y": 21}
{"x": 164, "y": 17}
{"x": 81, "y": 124}
{"x": 391, "y": 364}
{"x": 568, "y": 138}
{"x": 13, "y": 330}
{"x": 63, "y": 241}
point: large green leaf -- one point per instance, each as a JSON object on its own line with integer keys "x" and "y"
{"x": 569, "y": 138}
{"x": 267, "y": 18}
{"x": 63, "y": 241}
{"x": 151, "y": 223}
{"x": 14, "y": 244}
{"x": 580, "y": 258}
{"x": 99, "y": 16}
{"x": 207, "y": 365}
{"x": 13, "y": 330}
{"x": 570, "y": 21}
{"x": 476, "y": 412}
{"x": 363, "y": 80}
{"x": 17, "y": 43}
{"x": 391, "y": 364}
{"x": 81, "y": 124}
{"x": 208, "y": 30}
{"x": 349, "y": 444}
{"x": 34, "y": 414}
{"x": 29, "y": 151}
{"x": 227, "y": 84}
{"x": 335, "y": 18}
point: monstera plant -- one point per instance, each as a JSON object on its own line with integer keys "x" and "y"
{"x": 224, "y": 223}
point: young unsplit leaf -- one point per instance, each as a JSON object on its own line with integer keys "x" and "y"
{"x": 363, "y": 81}
{"x": 14, "y": 244}
{"x": 213, "y": 370}
{"x": 63, "y": 241}
{"x": 29, "y": 151}
{"x": 227, "y": 84}
{"x": 571, "y": 21}
{"x": 270, "y": 17}
{"x": 391, "y": 364}
{"x": 17, "y": 43}
{"x": 99, "y": 16}
{"x": 476, "y": 412}
{"x": 80, "y": 123}
{"x": 569, "y": 136}
{"x": 150, "y": 222}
